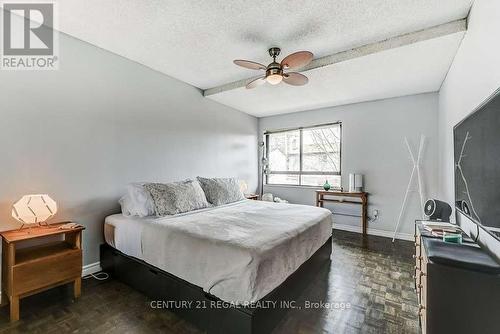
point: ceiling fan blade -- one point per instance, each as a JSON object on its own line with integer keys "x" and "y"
{"x": 297, "y": 60}
{"x": 249, "y": 64}
{"x": 256, "y": 82}
{"x": 295, "y": 79}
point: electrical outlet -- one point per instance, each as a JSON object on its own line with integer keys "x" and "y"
{"x": 374, "y": 216}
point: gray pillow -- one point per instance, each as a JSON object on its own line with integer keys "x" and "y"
{"x": 221, "y": 191}
{"x": 176, "y": 197}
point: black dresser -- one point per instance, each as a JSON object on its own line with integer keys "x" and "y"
{"x": 458, "y": 286}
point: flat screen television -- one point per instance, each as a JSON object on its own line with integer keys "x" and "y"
{"x": 477, "y": 165}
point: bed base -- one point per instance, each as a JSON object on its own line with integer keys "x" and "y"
{"x": 206, "y": 311}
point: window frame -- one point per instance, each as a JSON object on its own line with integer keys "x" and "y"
{"x": 300, "y": 172}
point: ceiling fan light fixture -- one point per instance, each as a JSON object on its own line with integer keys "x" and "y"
{"x": 274, "y": 71}
{"x": 274, "y": 79}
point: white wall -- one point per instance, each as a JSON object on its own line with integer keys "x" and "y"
{"x": 373, "y": 144}
{"x": 101, "y": 121}
{"x": 473, "y": 76}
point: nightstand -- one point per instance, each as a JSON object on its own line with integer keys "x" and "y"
{"x": 29, "y": 270}
{"x": 252, "y": 196}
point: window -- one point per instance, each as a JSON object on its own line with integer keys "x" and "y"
{"x": 304, "y": 156}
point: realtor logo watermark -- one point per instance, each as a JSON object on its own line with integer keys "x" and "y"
{"x": 29, "y": 40}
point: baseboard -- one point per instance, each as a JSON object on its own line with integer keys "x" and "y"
{"x": 91, "y": 268}
{"x": 373, "y": 231}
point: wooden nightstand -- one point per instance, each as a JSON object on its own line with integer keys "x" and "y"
{"x": 252, "y": 196}
{"x": 29, "y": 270}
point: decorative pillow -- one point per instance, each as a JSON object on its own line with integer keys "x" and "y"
{"x": 221, "y": 191}
{"x": 177, "y": 197}
{"x": 137, "y": 201}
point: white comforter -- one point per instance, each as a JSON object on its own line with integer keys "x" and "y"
{"x": 238, "y": 252}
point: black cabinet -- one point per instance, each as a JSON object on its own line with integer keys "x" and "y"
{"x": 458, "y": 287}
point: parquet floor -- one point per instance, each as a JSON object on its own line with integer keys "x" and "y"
{"x": 368, "y": 285}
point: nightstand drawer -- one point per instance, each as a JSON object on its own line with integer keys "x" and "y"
{"x": 33, "y": 275}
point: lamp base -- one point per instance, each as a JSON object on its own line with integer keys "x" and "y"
{"x": 29, "y": 226}
{"x": 21, "y": 228}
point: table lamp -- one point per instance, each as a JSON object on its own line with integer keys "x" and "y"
{"x": 243, "y": 186}
{"x": 34, "y": 209}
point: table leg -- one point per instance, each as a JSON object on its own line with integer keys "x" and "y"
{"x": 365, "y": 214}
{"x": 77, "y": 287}
{"x": 14, "y": 308}
{"x": 4, "y": 299}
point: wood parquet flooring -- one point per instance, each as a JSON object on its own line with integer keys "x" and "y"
{"x": 373, "y": 276}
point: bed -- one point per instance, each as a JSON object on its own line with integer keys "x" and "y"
{"x": 238, "y": 254}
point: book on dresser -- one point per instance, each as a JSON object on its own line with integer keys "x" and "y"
{"x": 437, "y": 229}
{"x": 440, "y": 226}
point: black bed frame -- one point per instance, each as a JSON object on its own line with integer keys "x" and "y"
{"x": 206, "y": 311}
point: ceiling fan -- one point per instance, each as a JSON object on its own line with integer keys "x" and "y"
{"x": 275, "y": 71}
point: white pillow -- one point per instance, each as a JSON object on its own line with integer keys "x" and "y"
{"x": 137, "y": 201}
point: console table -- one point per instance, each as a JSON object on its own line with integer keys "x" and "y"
{"x": 338, "y": 197}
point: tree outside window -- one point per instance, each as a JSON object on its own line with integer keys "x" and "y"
{"x": 305, "y": 156}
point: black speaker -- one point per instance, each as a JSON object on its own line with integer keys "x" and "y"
{"x": 462, "y": 205}
{"x": 437, "y": 210}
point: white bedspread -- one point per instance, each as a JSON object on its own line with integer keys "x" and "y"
{"x": 238, "y": 252}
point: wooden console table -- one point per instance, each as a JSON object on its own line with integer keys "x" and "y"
{"x": 363, "y": 196}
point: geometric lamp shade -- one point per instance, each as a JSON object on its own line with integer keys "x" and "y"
{"x": 32, "y": 209}
{"x": 243, "y": 186}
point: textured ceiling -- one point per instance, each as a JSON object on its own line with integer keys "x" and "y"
{"x": 195, "y": 41}
{"x": 412, "y": 69}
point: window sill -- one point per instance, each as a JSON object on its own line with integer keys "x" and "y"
{"x": 293, "y": 187}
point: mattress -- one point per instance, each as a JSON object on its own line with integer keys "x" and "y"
{"x": 238, "y": 252}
